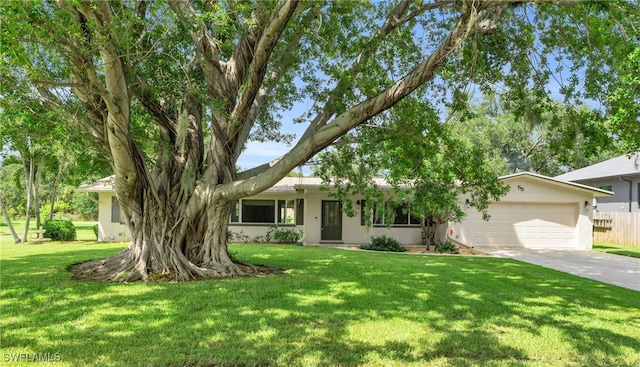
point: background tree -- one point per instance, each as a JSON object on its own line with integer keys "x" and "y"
{"x": 10, "y": 172}
{"x": 564, "y": 138}
{"x": 625, "y": 103}
{"x": 26, "y": 132}
{"x": 192, "y": 82}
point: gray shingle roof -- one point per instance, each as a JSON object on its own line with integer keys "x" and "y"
{"x": 624, "y": 165}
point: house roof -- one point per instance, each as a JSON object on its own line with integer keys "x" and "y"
{"x": 292, "y": 184}
{"x": 560, "y": 183}
{"x": 624, "y": 165}
{"x": 287, "y": 184}
{"x": 102, "y": 185}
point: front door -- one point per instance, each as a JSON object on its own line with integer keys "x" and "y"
{"x": 331, "y": 221}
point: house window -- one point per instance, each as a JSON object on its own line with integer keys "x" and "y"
{"x": 606, "y": 187}
{"x": 638, "y": 194}
{"x": 300, "y": 212}
{"x": 267, "y": 211}
{"x": 398, "y": 215}
{"x": 116, "y": 215}
{"x": 402, "y": 215}
{"x": 258, "y": 211}
{"x": 286, "y": 211}
{"x": 235, "y": 212}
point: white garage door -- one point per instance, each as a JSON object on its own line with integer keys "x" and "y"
{"x": 527, "y": 225}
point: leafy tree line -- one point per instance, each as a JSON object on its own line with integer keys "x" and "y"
{"x": 43, "y": 160}
{"x": 170, "y": 94}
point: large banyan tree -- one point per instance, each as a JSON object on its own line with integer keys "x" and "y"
{"x": 171, "y": 92}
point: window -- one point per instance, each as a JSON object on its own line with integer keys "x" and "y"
{"x": 268, "y": 211}
{"x": 235, "y": 212}
{"x": 300, "y": 212}
{"x": 638, "y": 194}
{"x": 258, "y": 211}
{"x": 286, "y": 211}
{"x": 116, "y": 216}
{"x": 606, "y": 187}
{"x": 395, "y": 215}
{"x": 402, "y": 215}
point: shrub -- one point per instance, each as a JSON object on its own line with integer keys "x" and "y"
{"x": 60, "y": 230}
{"x": 384, "y": 243}
{"x": 238, "y": 237}
{"x": 446, "y": 247}
{"x": 283, "y": 235}
{"x": 95, "y": 230}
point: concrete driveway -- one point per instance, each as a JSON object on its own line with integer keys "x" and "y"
{"x": 619, "y": 270}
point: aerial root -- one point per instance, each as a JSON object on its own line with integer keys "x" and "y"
{"x": 122, "y": 268}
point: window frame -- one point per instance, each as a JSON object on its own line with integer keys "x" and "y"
{"x": 117, "y": 215}
{"x": 379, "y": 218}
{"x": 280, "y": 209}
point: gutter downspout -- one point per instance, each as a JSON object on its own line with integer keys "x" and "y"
{"x": 630, "y": 191}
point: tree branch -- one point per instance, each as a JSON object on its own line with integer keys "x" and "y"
{"x": 267, "y": 175}
{"x": 394, "y": 20}
{"x": 205, "y": 45}
{"x": 258, "y": 68}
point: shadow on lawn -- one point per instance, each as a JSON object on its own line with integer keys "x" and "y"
{"x": 336, "y": 308}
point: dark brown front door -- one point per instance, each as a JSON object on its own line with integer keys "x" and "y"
{"x": 331, "y": 221}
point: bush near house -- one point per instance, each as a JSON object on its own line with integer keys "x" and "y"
{"x": 283, "y": 235}
{"x": 447, "y": 247}
{"x": 384, "y": 243}
{"x": 60, "y": 230}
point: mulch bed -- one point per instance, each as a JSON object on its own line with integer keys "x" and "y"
{"x": 422, "y": 250}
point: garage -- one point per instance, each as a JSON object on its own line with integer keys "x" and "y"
{"x": 538, "y": 212}
{"x": 528, "y": 225}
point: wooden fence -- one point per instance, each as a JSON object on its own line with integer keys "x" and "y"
{"x": 618, "y": 228}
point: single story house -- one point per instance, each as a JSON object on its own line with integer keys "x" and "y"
{"x": 538, "y": 212}
{"x": 620, "y": 175}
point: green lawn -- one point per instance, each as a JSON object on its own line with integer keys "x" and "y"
{"x": 611, "y": 248}
{"x": 334, "y": 308}
{"x": 83, "y": 229}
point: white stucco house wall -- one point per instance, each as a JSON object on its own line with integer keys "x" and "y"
{"x": 111, "y": 225}
{"x": 538, "y": 212}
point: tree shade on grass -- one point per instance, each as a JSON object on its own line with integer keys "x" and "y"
{"x": 333, "y": 308}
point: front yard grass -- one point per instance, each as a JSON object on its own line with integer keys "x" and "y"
{"x": 84, "y": 230}
{"x": 624, "y": 250}
{"x": 334, "y": 308}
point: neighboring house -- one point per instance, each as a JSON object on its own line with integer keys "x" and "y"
{"x": 620, "y": 175}
{"x": 538, "y": 212}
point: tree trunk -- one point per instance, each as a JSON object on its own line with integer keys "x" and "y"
{"x": 16, "y": 238}
{"x": 29, "y": 168}
{"x": 54, "y": 190}
{"x": 36, "y": 195}
{"x": 166, "y": 245}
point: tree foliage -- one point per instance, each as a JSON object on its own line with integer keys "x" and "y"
{"x": 568, "y": 138}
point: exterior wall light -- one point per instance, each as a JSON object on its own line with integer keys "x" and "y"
{"x": 587, "y": 205}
